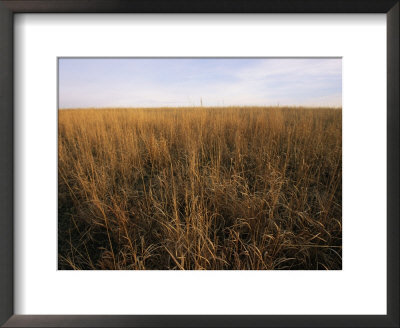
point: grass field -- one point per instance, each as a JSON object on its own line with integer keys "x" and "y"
{"x": 200, "y": 188}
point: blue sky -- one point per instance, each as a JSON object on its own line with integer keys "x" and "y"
{"x": 134, "y": 82}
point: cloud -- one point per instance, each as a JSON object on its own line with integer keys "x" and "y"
{"x": 180, "y": 82}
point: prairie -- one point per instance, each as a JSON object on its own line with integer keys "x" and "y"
{"x": 237, "y": 188}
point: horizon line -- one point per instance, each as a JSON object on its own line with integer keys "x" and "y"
{"x": 226, "y": 106}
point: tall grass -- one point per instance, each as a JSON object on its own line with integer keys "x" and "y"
{"x": 200, "y": 188}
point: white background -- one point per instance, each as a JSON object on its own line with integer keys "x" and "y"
{"x": 360, "y": 288}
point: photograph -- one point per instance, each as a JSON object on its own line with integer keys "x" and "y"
{"x": 199, "y": 163}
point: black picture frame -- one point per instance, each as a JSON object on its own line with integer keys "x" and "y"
{"x": 10, "y": 7}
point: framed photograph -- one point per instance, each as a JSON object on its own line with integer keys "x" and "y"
{"x": 203, "y": 164}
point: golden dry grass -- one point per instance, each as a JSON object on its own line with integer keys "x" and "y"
{"x": 200, "y": 188}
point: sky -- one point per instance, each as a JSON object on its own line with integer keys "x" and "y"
{"x": 158, "y": 82}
